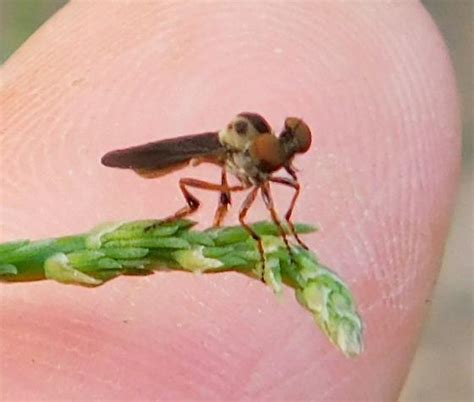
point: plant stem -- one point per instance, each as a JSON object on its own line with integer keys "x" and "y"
{"x": 141, "y": 247}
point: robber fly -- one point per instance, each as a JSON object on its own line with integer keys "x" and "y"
{"x": 247, "y": 148}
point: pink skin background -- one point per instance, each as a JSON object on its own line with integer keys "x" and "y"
{"x": 375, "y": 84}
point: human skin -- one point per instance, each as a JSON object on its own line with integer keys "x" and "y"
{"x": 374, "y": 83}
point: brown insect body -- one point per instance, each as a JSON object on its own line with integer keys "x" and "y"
{"x": 246, "y": 147}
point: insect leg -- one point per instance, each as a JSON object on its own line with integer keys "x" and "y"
{"x": 296, "y": 186}
{"x": 191, "y": 200}
{"x": 242, "y": 214}
{"x": 224, "y": 201}
{"x": 268, "y": 200}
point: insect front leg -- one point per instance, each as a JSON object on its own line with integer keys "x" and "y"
{"x": 296, "y": 186}
{"x": 242, "y": 214}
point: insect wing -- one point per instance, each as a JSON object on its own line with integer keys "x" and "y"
{"x": 166, "y": 155}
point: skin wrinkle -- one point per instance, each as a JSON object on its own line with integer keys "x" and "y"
{"x": 257, "y": 387}
{"x": 356, "y": 75}
{"x": 286, "y": 380}
{"x": 415, "y": 160}
{"x": 90, "y": 374}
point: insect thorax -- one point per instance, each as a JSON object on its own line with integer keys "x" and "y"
{"x": 237, "y": 137}
{"x": 242, "y": 166}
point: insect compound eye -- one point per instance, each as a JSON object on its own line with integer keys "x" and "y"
{"x": 300, "y": 132}
{"x": 241, "y": 127}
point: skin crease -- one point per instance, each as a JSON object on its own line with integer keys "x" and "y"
{"x": 374, "y": 83}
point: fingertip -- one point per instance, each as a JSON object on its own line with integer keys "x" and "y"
{"x": 373, "y": 80}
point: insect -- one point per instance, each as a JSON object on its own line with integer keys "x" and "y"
{"x": 247, "y": 148}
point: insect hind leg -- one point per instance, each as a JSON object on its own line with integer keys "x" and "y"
{"x": 192, "y": 201}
